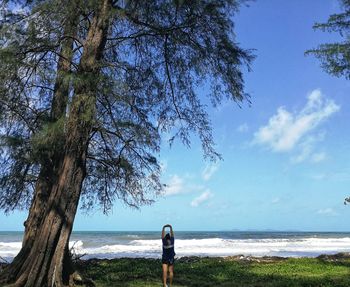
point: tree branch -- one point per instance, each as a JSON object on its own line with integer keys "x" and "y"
{"x": 169, "y": 77}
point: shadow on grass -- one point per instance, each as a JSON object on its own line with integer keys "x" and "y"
{"x": 209, "y": 272}
{"x": 340, "y": 259}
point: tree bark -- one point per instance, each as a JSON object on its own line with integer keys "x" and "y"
{"x": 58, "y": 112}
{"x": 49, "y": 169}
{"x": 46, "y": 263}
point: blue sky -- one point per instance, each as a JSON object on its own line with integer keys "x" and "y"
{"x": 286, "y": 158}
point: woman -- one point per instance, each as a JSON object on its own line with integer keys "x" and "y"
{"x": 168, "y": 255}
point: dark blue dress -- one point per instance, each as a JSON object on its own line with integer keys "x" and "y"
{"x": 168, "y": 251}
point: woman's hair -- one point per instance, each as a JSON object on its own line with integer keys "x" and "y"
{"x": 167, "y": 236}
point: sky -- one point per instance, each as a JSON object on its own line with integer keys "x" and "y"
{"x": 285, "y": 157}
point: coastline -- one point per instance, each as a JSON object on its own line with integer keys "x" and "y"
{"x": 109, "y": 245}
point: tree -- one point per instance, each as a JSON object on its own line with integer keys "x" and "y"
{"x": 335, "y": 57}
{"x": 87, "y": 88}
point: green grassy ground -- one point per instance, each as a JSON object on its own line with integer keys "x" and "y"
{"x": 332, "y": 272}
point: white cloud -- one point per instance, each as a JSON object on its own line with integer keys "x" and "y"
{"x": 340, "y": 176}
{"x": 287, "y": 130}
{"x": 209, "y": 171}
{"x": 201, "y": 198}
{"x": 328, "y": 211}
{"x": 276, "y": 200}
{"x": 243, "y": 128}
{"x": 306, "y": 149}
{"x": 175, "y": 186}
{"x": 180, "y": 185}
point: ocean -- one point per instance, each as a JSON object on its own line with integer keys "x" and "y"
{"x": 116, "y": 244}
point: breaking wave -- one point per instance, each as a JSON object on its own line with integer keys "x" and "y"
{"x": 152, "y": 248}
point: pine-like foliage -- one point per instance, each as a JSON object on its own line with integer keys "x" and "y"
{"x": 335, "y": 57}
{"x": 30, "y": 36}
{"x": 156, "y": 56}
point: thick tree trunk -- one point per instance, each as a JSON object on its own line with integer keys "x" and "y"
{"x": 46, "y": 263}
{"x": 49, "y": 169}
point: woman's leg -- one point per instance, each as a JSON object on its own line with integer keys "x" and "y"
{"x": 165, "y": 273}
{"x": 171, "y": 274}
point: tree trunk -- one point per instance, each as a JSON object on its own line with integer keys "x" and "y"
{"x": 46, "y": 263}
{"x": 58, "y": 112}
{"x": 49, "y": 169}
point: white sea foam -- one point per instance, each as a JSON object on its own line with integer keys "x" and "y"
{"x": 152, "y": 248}
{"x": 9, "y": 249}
{"x": 224, "y": 247}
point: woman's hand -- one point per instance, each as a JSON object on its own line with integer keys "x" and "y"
{"x": 171, "y": 230}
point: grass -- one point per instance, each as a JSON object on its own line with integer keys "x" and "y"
{"x": 329, "y": 271}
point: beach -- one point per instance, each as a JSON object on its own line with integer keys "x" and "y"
{"x": 139, "y": 244}
{"x": 227, "y": 258}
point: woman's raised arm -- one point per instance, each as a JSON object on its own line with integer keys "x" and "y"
{"x": 163, "y": 231}
{"x": 171, "y": 231}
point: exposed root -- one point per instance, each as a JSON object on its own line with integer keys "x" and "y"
{"x": 77, "y": 279}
